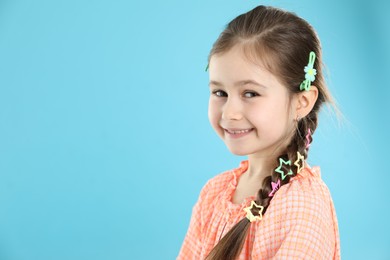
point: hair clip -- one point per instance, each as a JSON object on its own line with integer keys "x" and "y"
{"x": 307, "y": 138}
{"x": 207, "y": 67}
{"x": 281, "y": 161}
{"x": 296, "y": 163}
{"x": 249, "y": 214}
{"x": 310, "y": 73}
{"x": 275, "y": 187}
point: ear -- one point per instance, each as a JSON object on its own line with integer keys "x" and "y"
{"x": 305, "y": 101}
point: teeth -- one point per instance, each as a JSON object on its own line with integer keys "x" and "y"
{"x": 239, "y": 132}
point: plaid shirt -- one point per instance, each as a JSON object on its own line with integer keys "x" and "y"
{"x": 300, "y": 222}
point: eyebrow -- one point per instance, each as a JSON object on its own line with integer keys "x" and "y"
{"x": 238, "y": 83}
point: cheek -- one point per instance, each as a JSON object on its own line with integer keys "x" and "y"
{"x": 262, "y": 113}
{"x": 268, "y": 117}
{"x": 214, "y": 116}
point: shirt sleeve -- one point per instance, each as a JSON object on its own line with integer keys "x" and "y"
{"x": 192, "y": 244}
{"x": 308, "y": 230}
{"x": 307, "y": 238}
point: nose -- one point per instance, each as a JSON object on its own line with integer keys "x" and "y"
{"x": 232, "y": 110}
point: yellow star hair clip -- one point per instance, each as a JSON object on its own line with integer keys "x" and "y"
{"x": 281, "y": 161}
{"x": 296, "y": 163}
{"x": 249, "y": 214}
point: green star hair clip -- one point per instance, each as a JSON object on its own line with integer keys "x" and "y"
{"x": 207, "y": 67}
{"x": 310, "y": 73}
{"x": 284, "y": 175}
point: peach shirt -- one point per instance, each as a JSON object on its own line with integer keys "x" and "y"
{"x": 300, "y": 222}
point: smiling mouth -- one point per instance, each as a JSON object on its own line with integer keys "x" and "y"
{"x": 235, "y": 132}
{"x": 238, "y": 133}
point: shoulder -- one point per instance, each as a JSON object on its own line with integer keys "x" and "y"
{"x": 306, "y": 203}
{"x": 217, "y": 183}
{"x": 305, "y": 214}
{"x": 306, "y": 192}
{"x": 220, "y": 182}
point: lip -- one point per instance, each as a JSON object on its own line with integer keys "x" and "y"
{"x": 229, "y": 132}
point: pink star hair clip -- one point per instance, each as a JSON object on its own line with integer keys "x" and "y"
{"x": 275, "y": 187}
{"x": 308, "y": 138}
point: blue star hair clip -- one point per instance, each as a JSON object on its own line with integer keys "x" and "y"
{"x": 310, "y": 73}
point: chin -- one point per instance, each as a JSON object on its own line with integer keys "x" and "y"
{"x": 239, "y": 152}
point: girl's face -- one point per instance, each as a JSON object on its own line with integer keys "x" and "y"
{"x": 248, "y": 107}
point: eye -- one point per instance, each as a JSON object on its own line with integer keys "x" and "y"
{"x": 250, "y": 94}
{"x": 219, "y": 93}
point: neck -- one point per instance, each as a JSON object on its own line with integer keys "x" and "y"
{"x": 260, "y": 166}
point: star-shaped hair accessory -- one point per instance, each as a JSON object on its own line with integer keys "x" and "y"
{"x": 281, "y": 161}
{"x": 307, "y": 138}
{"x": 249, "y": 213}
{"x": 207, "y": 67}
{"x": 275, "y": 187}
{"x": 300, "y": 158}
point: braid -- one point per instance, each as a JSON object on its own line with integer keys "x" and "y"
{"x": 297, "y": 144}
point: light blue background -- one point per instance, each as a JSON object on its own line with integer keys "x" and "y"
{"x": 104, "y": 137}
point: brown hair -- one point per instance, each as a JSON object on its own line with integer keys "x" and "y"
{"x": 282, "y": 41}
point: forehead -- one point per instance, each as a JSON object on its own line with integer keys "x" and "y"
{"x": 232, "y": 67}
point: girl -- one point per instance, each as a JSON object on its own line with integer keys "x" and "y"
{"x": 267, "y": 88}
